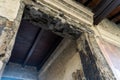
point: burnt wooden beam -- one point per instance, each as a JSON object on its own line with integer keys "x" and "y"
{"x": 114, "y": 16}
{"x": 114, "y": 12}
{"x": 101, "y": 6}
{"x": 81, "y": 1}
{"x": 102, "y": 14}
{"x": 117, "y": 22}
{"x": 31, "y": 51}
{"x": 94, "y": 3}
{"x": 87, "y": 2}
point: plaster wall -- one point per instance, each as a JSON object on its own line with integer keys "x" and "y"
{"x": 68, "y": 61}
{"x": 64, "y": 65}
{"x": 9, "y": 24}
{"x": 108, "y": 39}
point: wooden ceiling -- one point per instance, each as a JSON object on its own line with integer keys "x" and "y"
{"x": 103, "y": 9}
{"x": 33, "y": 45}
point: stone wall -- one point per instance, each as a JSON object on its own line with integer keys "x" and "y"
{"x": 9, "y": 24}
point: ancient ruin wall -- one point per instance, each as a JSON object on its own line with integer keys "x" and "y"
{"x": 9, "y": 24}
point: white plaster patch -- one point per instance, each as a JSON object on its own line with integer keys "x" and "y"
{"x": 9, "y": 9}
{"x": 116, "y": 73}
{"x": 1, "y": 65}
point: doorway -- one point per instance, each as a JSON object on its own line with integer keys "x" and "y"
{"x": 33, "y": 46}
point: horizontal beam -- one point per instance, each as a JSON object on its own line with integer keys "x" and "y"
{"x": 118, "y": 22}
{"x": 101, "y": 6}
{"x": 114, "y": 16}
{"x": 33, "y": 47}
{"x": 87, "y": 2}
{"x": 106, "y": 11}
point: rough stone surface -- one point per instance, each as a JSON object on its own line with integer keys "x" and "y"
{"x": 8, "y": 31}
{"x": 50, "y": 22}
{"x": 60, "y": 16}
{"x": 8, "y": 34}
{"x": 94, "y": 64}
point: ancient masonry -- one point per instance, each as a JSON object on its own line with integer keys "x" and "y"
{"x": 75, "y": 24}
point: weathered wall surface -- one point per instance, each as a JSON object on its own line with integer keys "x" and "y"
{"x": 108, "y": 39}
{"x": 64, "y": 65}
{"x": 108, "y": 31}
{"x": 9, "y": 24}
{"x": 103, "y": 68}
{"x": 69, "y": 61}
{"x": 112, "y": 55}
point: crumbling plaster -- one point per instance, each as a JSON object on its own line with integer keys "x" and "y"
{"x": 10, "y": 16}
{"x": 82, "y": 21}
{"x": 77, "y": 16}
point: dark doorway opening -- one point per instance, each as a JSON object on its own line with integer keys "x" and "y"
{"x": 25, "y": 40}
{"x": 33, "y": 46}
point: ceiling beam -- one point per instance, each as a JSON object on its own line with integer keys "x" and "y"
{"x": 101, "y": 6}
{"x": 118, "y": 22}
{"x": 104, "y": 12}
{"x": 81, "y": 1}
{"x": 114, "y": 16}
{"x": 31, "y": 51}
{"x": 87, "y": 2}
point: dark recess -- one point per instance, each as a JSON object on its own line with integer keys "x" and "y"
{"x": 25, "y": 39}
{"x": 88, "y": 62}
